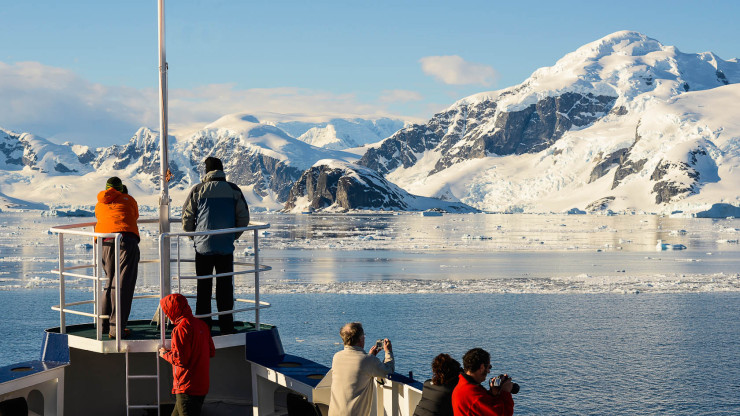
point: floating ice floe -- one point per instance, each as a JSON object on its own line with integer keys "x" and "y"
{"x": 661, "y": 246}
{"x": 84, "y": 246}
{"x": 476, "y": 237}
{"x": 678, "y": 232}
{"x": 727, "y": 241}
{"x": 431, "y": 214}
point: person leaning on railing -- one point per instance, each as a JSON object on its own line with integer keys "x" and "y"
{"x": 212, "y": 205}
{"x": 353, "y": 372}
{"x": 118, "y": 212}
{"x": 436, "y": 397}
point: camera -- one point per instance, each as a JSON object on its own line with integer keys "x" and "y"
{"x": 379, "y": 344}
{"x": 503, "y": 378}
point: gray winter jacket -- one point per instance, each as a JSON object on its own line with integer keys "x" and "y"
{"x": 212, "y": 205}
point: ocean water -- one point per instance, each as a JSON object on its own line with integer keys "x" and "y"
{"x": 582, "y": 311}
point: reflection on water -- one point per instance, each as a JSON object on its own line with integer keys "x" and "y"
{"x": 513, "y": 251}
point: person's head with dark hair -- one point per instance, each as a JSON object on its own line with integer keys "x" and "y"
{"x": 477, "y": 363}
{"x": 213, "y": 163}
{"x": 444, "y": 369}
{"x": 353, "y": 334}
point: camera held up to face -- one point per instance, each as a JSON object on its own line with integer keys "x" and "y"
{"x": 503, "y": 378}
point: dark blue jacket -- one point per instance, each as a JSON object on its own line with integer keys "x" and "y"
{"x": 211, "y": 205}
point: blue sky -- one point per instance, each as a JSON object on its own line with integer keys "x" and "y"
{"x": 85, "y": 71}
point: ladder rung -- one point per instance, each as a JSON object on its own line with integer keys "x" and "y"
{"x": 143, "y": 406}
{"x": 142, "y": 376}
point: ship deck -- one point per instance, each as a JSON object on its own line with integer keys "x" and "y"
{"x": 146, "y": 337}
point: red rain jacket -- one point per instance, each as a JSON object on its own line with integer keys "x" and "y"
{"x": 116, "y": 212}
{"x": 192, "y": 347}
{"x": 471, "y": 399}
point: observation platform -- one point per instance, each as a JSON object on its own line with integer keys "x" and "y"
{"x": 146, "y": 337}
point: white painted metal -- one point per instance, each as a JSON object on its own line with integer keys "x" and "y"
{"x": 62, "y": 318}
{"x": 129, "y": 377}
{"x": 164, "y": 199}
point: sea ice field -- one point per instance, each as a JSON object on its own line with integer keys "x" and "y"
{"x": 586, "y": 312}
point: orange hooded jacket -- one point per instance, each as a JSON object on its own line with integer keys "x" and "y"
{"x": 116, "y": 212}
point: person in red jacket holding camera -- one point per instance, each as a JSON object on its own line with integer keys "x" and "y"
{"x": 470, "y": 399}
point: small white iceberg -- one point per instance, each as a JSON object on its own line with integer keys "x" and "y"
{"x": 431, "y": 214}
{"x": 661, "y": 246}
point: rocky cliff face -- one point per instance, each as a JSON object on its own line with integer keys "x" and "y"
{"x": 477, "y": 130}
{"x": 140, "y": 155}
{"x": 338, "y": 186}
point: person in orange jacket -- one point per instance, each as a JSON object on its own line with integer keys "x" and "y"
{"x": 117, "y": 212}
{"x": 190, "y": 354}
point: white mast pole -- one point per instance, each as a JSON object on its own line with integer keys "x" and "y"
{"x": 164, "y": 199}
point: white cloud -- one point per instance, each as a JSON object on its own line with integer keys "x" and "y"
{"x": 399, "y": 96}
{"x": 58, "y": 104}
{"x": 455, "y": 70}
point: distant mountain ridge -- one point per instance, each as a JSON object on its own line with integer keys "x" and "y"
{"x": 623, "y": 123}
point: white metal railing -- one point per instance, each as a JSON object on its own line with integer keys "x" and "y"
{"x": 255, "y": 268}
{"x": 99, "y": 279}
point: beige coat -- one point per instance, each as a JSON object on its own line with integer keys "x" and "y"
{"x": 353, "y": 372}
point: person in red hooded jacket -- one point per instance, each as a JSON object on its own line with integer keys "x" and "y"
{"x": 118, "y": 212}
{"x": 190, "y": 355}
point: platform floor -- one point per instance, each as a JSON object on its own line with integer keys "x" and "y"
{"x": 144, "y": 330}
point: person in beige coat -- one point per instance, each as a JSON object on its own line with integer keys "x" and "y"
{"x": 353, "y": 372}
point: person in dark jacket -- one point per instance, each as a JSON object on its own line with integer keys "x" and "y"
{"x": 211, "y": 205}
{"x": 190, "y": 355}
{"x": 436, "y": 397}
{"x": 118, "y": 212}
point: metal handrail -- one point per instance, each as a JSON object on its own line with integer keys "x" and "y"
{"x": 98, "y": 278}
{"x": 165, "y": 281}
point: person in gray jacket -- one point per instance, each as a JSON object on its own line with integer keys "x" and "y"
{"x": 211, "y": 205}
{"x": 353, "y": 372}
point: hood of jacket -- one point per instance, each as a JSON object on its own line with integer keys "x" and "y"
{"x": 214, "y": 175}
{"x": 108, "y": 196}
{"x": 176, "y": 307}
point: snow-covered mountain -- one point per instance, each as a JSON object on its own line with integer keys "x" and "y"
{"x": 26, "y": 151}
{"x": 335, "y": 186}
{"x": 622, "y": 123}
{"x": 620, "y": 119}
{"x": 341, "y": 133}
{"x": 261, "y": 158}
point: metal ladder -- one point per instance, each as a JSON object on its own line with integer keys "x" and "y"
{"x": 130, "y": 377}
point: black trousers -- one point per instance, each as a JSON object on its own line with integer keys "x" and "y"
{"x": 129, "y": 259}
{"x": 204, "y": 265}
{"x": 187, "y": 405}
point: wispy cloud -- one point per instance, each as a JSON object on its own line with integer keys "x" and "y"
{"x": 59, "y": 104}
{"x": 399, "y": 96}
{"x": 454, "y": 70}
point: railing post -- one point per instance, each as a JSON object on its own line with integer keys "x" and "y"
{"x": 62, "y": 319}
{"x": 256, "y": 281}
{"x": 162, "y": 292}
{"x": 100, "y": 291}
{"x": 179, "y": 282}
{"x": 117, "y": 253}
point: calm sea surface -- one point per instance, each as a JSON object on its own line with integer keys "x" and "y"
{"x": 582, "y": 311}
